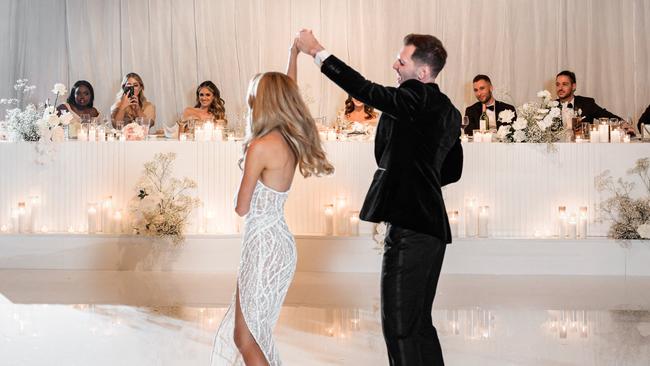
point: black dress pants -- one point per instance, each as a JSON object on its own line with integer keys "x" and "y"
{"x": 409, "y": 277}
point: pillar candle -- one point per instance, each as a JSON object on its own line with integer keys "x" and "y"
{"x": 331, "y": 135}
{"x": 584, "y": 218}
{"x": 92, "y": 218}
{"x": 487, "y": 137}
{"x": 14, "y": 220}
{"x": 483, "y": 222}
{"x": 329, "y": 219}
{"x": 478, "y": 136}
{"x": 198, "y": 134}
{"x": 218, "y": 134}
{"x": 453, "y": 223}
{"x": 122, "y": 137}
{"x": 340, "y": 226}
{"x": 615, "y": 136}
{"x": 101, "y": 134}
{"x": 353, "y": 228}
{"x": 183, "y": 137}
{"x": 107, "y": 216}
{"x": 210, "y": 223}
{"x": 603, "y": 131}
{"x": 572, "y": 227}
{"x": 562, "y": 222}
{"x": 35, "y": 212}
{"x": 208, "y": 130}
{"x": 92, "y": 134}
{"x": 626, "y": 139}
{"x": 117, "y": 222}
{"x": 594, "y": 135}
{"x": 23, "y": 219}
{"x": 82, "y": 135}
{"x": 471, "y": 217}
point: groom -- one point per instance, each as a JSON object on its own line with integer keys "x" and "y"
{"x": 418, "y": 128}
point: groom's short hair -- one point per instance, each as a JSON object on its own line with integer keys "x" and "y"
{"x": 428, "y": 50}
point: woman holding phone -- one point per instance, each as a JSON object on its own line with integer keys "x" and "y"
{"x": 131, "y": 103}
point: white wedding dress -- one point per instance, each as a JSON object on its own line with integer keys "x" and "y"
{"x": 266, "y": 268}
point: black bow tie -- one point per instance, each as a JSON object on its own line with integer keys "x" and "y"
{"x": 570, "y": 106}
{"x": 490, "y": 107}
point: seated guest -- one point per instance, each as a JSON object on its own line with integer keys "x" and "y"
{"x": 565, "y": 85}
{"x": 482, "y": 86}
{"x": 131, "y": 103}
{"x": 209, "y": 104}
{"x": 357, "y": 111}
{"x": 79, "y": 103}
{"x": 644, "y": 120}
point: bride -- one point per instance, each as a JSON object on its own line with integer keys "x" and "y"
{"x": 281, "y": 136}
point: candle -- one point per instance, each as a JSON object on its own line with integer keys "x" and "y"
{"x": 478, "y": 136}
{"x": 562, "y": 222}
{"x": 122, "y": 137}
{"x": 111, "y": 136}
{"x": 584, "y": 218}
{"x": 92, "y": 218}
{"x": 218, "y": 134}
{"x": 4, "y": 229}
{"x": 23, "y": 220}
{"x": 35, "y": 208}
{"x": 231, "y": 137}
{"x": 82, "y": 135}
{"x": 464, "y": 138}
{"x": 14, "y": 220}
{"x": 353, "y": 228}
{"x": 615, "y": 136}
{"x": 101, "y": 134}
{"x": 44, "y": 229}
{"x": 594, "y": 136}
{"x": 198, "y": 134}
{"x": 208, "y": 131}
{"x": 329, "y": 219}
{"x": 117, "y": 222}
{"x": 572, "y": 227}
{"x": 603, "y": 131}
{"x": 183, "y": 137}
{"x": 487, "y": 137}
{"x": 210, "y": 223}
{"x": 626, "y": 139}
{"x": 471, "y": 217}
{"x": 107, "y": 216}
{"x": 92, "y": 134}
{"x": 579, "y": 140}
{"x": 71, "y": 229}
{"x": 341, "y": 219}
{"x": 483, "y": 222}
{"x": 331, "y": 135}
{"x": 453, "y": 223}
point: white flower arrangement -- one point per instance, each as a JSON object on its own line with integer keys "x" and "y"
{"x": 162, "y": 204}
{"x": 537, "y": 122}
{"x": 379, "y": 236}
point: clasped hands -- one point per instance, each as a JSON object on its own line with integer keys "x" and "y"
{"x": 305, "y": 42}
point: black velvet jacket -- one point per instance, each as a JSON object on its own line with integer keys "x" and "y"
{"x": 418, "y": 127}
{"x": 475, "y": 110}
{"x": 591, "y": 110}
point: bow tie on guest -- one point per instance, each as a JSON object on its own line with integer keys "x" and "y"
{"x": 490, "y": 107}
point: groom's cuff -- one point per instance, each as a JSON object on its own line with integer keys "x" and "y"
{"x": 320, "y": 57}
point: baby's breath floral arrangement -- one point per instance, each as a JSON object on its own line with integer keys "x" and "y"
{"x": 630, "y": 217}
{"x": 537, "y": 122}
{"x": 162, "y": 204}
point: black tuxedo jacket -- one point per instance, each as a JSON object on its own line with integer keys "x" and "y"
{"x": 590, "y": 110}
{"x": 418, "y": 128}
{"x": 475, "y": 110}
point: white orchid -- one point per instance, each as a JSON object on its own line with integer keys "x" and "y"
{"x": 59, "y": 89}
{"x": 520, "y": 124}
{"x": 506, "y": 116}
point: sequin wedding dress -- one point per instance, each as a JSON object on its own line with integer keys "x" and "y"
{"x": 266, "y": 268}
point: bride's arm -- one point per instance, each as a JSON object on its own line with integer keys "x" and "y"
{"x": 253, "y": 166}
{"x": 292, "y": 64}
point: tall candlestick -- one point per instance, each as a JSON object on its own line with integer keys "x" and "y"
{"x": 92, "y": 218}
{"x": 603, "y": 131}
{"x": 15, "y": 227}
{"x": 340, "y": 227}
{"x": 572, "y": 227}
{"x": 92, "y": 134}
{"x": 453, "y": 223}
{"x": 562, "y": 222}
{"x": 107, "y": 216}
{"x": 23, "y": 220}
{"x": 329, "y": 219}
{"x": 354, "y": 223}
{"x": 35, "y": 212}
{"x": 471, "y": 217}
{"x": 584, "y": 218}
{"x": 483, "y": 222}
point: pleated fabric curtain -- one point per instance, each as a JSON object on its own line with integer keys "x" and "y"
{"x": 175, "y": 45}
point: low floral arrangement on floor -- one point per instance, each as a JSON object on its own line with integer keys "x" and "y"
{"x": 162, "y": 204}
{"x": 537, "y": 121}
{"x": 33, "y": 122}
{"x": 630, "y": 216}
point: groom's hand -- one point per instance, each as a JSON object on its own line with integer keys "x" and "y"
{"x": 307, "y": 43}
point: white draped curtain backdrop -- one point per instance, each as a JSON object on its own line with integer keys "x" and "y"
{"x": 176, "y": 44}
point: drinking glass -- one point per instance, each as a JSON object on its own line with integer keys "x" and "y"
{"x": 464, "y": 124}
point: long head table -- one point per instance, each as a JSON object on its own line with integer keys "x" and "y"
{"x": 523, "y": 184}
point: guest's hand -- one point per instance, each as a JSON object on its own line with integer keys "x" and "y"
{"x": 294, "y": 51}
{"x": 125, "y": 102}
{"x": 307, "y": 43}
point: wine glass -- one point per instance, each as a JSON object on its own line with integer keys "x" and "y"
{"x": 464, "y": 124}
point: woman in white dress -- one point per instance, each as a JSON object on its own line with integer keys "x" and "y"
{"x": 281, "y": 136}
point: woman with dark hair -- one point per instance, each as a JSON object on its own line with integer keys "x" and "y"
{"x": 356, "y": 111}
{"x": 79, "y": 103}
{"x": 131, "y": 103}
{"x": 209, "y": 104}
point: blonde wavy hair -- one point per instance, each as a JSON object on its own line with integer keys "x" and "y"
{"x": 274, "y": 103}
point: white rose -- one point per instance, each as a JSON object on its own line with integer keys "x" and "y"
{"x": 555, "y": 112}
{"x": 544, "y": 94}
{"x": 520, "y": 124}
{"x": 519, "y": 136}
{"x": 542, "y": 111}
{"x": 644, "y": 230}
{"x": 59, "y": 89}
{"x": 506, "y": 116}
{"x": 66, "y": 118}
{"x": 545, "y": 122}
{"x": 503, "y": 132}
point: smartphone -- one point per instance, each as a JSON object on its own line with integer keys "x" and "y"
{"x": 129, "y": 90}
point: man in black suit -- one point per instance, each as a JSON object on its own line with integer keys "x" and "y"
{"x": 418, "y": 128}
{"x": 565, "y": 86}
{"x": 482, "y": 86}
{"x": 644, "y": 120}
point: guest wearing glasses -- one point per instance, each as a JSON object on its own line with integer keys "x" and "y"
{"x": 79, "y": 103}
{"x": 209, "y": 104}
{"x": 483, "y": 89}
{"x": 131, "y": 103}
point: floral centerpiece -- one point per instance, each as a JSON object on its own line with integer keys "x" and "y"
{"x": 134, "y": 132}
{"x": 162, "y": 204}
{"x": 537, "y": 121}
{"x": 35, "y": 122}
{"x": 630, "y": 216}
